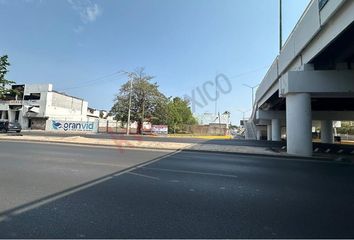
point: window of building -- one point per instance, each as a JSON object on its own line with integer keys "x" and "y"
{"x": 15, "y": 107}
{"x": 33, "y": 96}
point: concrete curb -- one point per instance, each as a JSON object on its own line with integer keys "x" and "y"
{"x": 90, "y": 145}
{"x": 201, "y": 137}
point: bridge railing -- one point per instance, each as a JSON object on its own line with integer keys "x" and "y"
{"x": 304, "y": 31}
{"x": 271, "y": 76}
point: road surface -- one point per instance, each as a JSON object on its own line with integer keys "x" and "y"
{"x": 276, "y": 145}
{"x": 56, "y": 191}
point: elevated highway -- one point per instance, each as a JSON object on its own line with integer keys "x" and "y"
{"x": 312, "y": 79}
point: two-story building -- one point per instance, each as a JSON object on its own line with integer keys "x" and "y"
{"x": 34, "y": 104}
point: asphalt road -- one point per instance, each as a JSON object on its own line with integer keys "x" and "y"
{"x": 55, "y": 191}
{"x": 276, "y": 145}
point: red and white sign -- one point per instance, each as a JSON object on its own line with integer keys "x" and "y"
{"x": 159, "y": 129}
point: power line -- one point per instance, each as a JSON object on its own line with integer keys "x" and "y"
{"x": 94, "y": 81}
{"x": 122, "y": 73}
{"x": 248, "y": 72}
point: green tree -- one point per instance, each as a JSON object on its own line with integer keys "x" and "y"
{"x": 4, "y": 64}
{"x": 148, "y": 103}
{"x": 346, "y": 128}
{"x": 179, "y": 114}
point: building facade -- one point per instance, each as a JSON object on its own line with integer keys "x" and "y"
{"x": 214, "y": 119}
{"x": 34, "y": 104}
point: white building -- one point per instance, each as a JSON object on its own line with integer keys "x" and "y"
{"x": 214, "y": 119}
{"x": 34, "y": 104}
{"x": 93, "y": 113}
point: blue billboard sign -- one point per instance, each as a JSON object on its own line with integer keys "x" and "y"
{"x": 72, "y": 126}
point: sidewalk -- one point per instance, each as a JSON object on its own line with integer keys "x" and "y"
{"x": 191, "y": 136}
{"x": 115, "y": 141}
{"x": 118, "y": 143}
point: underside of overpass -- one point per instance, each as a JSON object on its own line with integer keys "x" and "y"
{"x": 338, "y": 55}
{"x": 325, "y": 86}
{"x": 340, "y": 51}
{"x": 276, "y": 103}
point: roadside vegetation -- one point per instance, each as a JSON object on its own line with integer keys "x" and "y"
{"x": 4, "y": 83}
{"x": 149, "y": 104}
{"x": 179, "y": 115}
{"x": 346, "y": 128}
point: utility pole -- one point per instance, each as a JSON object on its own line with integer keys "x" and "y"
{"x": 243, "y": 115}
{"x": 216, "y": 96}
{"x": 130, "y": 103}
{"x": 252, "y": 88}
{"x": 280, "y": 26}
{"x": 142, "y": 116}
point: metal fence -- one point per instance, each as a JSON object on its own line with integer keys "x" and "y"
{"x": 346, "y": 137}
{"x": 109, "y": 126}
{"x": 112, "y": 126}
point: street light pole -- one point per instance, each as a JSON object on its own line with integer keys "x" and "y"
{"x": 252, "y": 88}
{"x": 130, "y": 103}
{"x": 280, "y": 26}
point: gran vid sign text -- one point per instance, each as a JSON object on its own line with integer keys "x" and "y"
{"x": 72, "y": 126}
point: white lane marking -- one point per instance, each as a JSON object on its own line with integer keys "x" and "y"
{"x": 45, "y": 201}
{"x": 51, "y": 198}
{"x": 143, "y": 175}
{"x": 192, "y": 172}
{"x": 148, "y": 163}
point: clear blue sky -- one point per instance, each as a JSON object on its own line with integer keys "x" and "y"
{"x": 184, "y": 43}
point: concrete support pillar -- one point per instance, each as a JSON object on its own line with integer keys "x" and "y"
{"x": 11, "y": 116}
{"x": 259, "y": 134}
{"x": 326, "y": 131}
{"x": 269, "y": 132}
{"x": 276, "y": 130}
{"x": 299, "y": 124}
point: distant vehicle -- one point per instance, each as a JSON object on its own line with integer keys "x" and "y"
{"x": 7, "y": 126}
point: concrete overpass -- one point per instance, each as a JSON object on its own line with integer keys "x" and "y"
{"x": 311, "y": 79}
